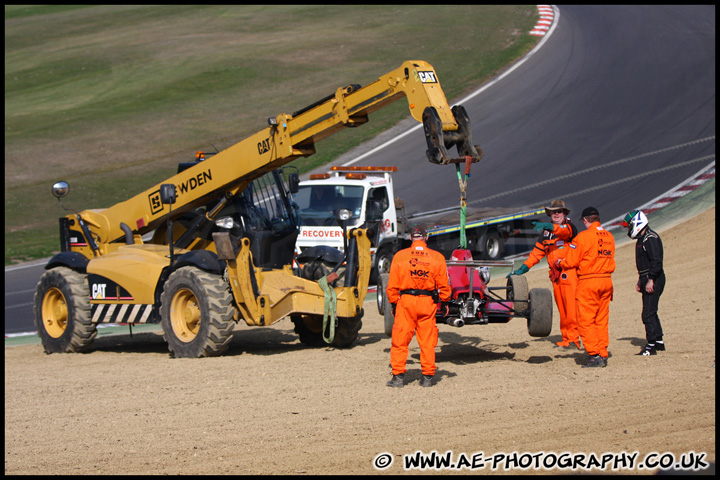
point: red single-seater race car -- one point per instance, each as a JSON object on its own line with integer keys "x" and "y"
{"x": 473, "y": 302}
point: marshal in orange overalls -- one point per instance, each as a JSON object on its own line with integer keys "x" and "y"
{"x": 554, "y": 246}
{"x": 593, "y": 254}
{"x": 417, "y": 268}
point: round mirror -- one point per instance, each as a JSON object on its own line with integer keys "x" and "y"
{"x": 60, "y": 189}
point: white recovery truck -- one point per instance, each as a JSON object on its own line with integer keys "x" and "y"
{"x": 369, "y": 195}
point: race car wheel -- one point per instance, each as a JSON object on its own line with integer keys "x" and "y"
{"x": 196, "y": 313}
{"x": 62, "y": 311}
{"x": 540, "y": 318}
{"x": 517, "y": 292}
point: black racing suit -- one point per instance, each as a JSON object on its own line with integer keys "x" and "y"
{"x": 649, "y": 262}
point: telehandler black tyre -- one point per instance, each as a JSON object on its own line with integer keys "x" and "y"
{"x": 517, "y": 291}
{"x": 62, "y": 311}
{"x": 196, "y": 312}
{"x": 347, "y": 330}
{"x": 540, "y": 318}
{"x": 309, "y": 329}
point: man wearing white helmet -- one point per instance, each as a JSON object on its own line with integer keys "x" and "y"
{"x": 651, "y": 281}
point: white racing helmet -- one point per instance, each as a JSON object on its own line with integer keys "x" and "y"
{"x": 635, "y": 222}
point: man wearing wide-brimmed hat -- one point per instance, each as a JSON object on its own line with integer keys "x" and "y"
{"x": 553, "y": 245}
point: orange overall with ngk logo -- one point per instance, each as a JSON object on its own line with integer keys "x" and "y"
{"x": 416, "y": 272}
{"x": 593, "y": 254}
{"x": 554, "y": 246}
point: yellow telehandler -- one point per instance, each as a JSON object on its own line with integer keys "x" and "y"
{"x": 213, "y": 244}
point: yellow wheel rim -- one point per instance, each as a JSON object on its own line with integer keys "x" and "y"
{"x": 54, "y": 312}
{"x": 185, "y": 315}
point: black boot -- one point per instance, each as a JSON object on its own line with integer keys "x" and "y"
{"x": 397, "y": 381}
{"x": 595, "y": 361}
{"x": 426, "y": 381}
{"x": 649, "y": 349}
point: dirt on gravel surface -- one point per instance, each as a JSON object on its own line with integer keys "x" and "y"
{"x": 273, "y": 406}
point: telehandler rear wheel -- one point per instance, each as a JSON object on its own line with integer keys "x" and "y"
{"x": 196, "y": 313}
{"x": 62, "y": 311}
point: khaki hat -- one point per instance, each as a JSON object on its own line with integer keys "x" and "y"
{"x": 555, "y": 206}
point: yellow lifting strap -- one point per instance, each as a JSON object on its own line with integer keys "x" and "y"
{"x": 330, "y": 309}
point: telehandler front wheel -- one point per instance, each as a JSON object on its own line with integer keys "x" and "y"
{"x": 196, "y": 313}
{"x": 310, "y": 330}
{"x": 347, "y": 330}
{"x": 62, "y": 311}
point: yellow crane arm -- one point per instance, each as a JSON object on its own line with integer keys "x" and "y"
{"x": 291, "y": 136}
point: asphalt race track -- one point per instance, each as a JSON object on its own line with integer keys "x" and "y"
{"x": 616, "y": 108}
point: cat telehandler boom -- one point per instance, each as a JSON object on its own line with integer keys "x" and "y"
{"x": 214, "y": 244}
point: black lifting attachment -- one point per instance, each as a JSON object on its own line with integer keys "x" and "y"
{"x": 439, "y": 141}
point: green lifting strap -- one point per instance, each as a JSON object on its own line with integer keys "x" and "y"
{"x": 330, "y": 309}
{"x": 463, "y": 207}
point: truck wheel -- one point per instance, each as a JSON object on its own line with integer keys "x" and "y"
{"x": 493, "y": 246}
{"x": 517, "y": 289}
{"x": 196, "y": 313}
{"x": 381, "y": 285}
{"x": 309, "y": 329}
{"x": 62, "y": 311}
{"x": 383, "y": 308}
{"x": 389, "y": 320}
{"x": 383, "y": 260}
{"x": 540, "y": 319}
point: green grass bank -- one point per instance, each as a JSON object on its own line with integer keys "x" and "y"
{"x": 112, "y": 98}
